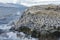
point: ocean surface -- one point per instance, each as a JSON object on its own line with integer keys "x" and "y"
{"x": 8, "y": 15}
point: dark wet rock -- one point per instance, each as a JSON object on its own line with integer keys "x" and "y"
{"x": 35, "y": 34}
{"x": 56, "y": 34}
{"x": 44, "y": 18}
{"x": 24, "y": 29}
{"x": 12, "y": 29}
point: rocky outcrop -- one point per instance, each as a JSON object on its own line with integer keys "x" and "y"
{"x": 44, "y": 19}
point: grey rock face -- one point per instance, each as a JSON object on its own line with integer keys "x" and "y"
{"x": 38, "y": 16}
{"x": 44, "y": 18}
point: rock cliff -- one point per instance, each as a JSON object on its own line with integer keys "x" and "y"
{"x": 43, "y": 20}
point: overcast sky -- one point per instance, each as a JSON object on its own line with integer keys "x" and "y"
{"x": 31, "y": 2}
{"x": 8, "y": 1}
{"x": 11, "y": 1}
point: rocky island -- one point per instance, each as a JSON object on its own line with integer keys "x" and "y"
{"x": 41, "y": 21}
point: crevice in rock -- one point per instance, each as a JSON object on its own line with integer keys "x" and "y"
{"x": 56, "y": 34}
{"x": 35, "y": 34}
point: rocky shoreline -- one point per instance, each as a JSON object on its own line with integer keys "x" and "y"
{"x": 41, "y": 22}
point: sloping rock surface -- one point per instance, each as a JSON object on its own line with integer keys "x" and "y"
{"x": 43, "y": 19}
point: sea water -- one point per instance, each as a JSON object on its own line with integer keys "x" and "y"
{"x": 6, "y": 24}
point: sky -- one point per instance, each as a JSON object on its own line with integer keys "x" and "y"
{"x": 31, "y": 2}
{"x": 8, "y": 1}
{"x": 38, "y": 2}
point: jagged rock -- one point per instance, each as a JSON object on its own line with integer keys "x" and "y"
{"x": 24, "y": 29}
{"x": 35, "y": 34}
{"x": 43, "y": 18}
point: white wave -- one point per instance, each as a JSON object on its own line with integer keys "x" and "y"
{"x": 13, "y": 36}
{"x": 4, "y": 26}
